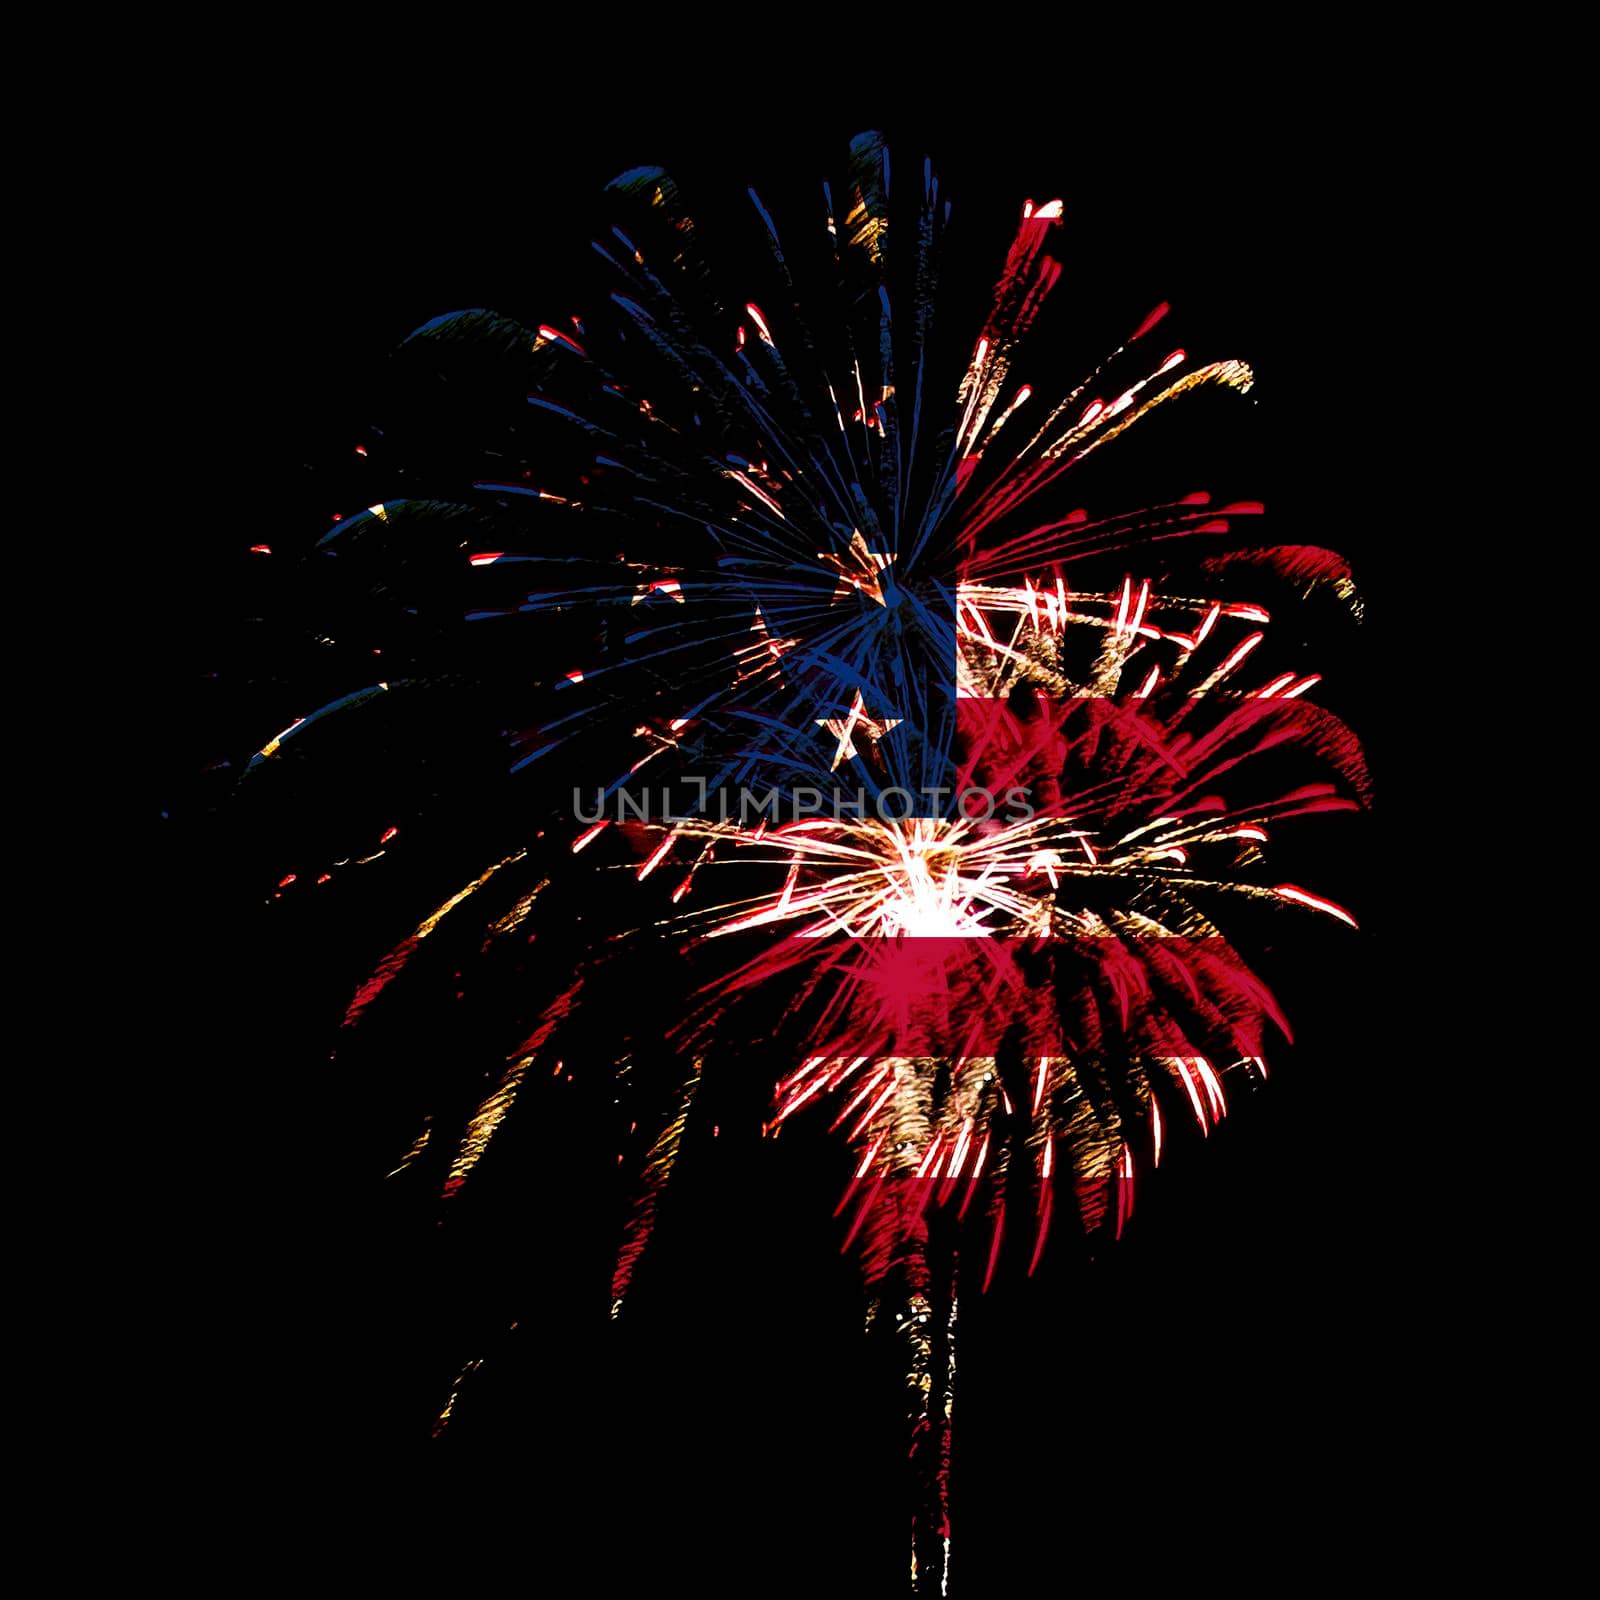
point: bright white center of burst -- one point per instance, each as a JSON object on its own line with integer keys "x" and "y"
{"x": 929, "y": 898}
{"x": 933, "y": 917}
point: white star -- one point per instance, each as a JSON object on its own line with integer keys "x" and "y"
{"x": 856, "y": 721}
{"x": 858, "y": 569}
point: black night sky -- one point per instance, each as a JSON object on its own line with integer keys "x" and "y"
{"x": 1240, "y": 1362}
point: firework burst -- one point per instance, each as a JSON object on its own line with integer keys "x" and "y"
{"x": 807, "y": 533}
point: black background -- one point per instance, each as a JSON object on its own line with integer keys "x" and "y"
{"x": 1247, "y": 1357}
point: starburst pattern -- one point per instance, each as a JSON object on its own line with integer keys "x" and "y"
{"x": 830, "y": 537}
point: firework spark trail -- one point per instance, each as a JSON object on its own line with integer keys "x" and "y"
{"x": 498, "y": 1103}
{"x": 658, "y": 1167}
{"x": 394, "y": 963}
